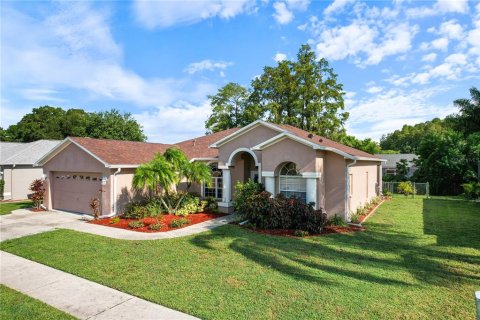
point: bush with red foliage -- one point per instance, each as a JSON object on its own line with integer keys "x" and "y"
{"x": 38, "y": 189}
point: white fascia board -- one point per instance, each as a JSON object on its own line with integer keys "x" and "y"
{"x": 203, "y": 159}
{"x": 48, "y": 156}
{"x": 245, "y": 130}
{"x": 370, "y": 159}
{"x": 123, "y": 166}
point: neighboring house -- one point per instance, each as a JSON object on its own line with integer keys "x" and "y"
{"x": 284, "y": 158}
{"x": 390, "y": 166}
{"x": 16, "y": 166}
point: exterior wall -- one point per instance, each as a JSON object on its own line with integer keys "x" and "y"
{"x": 7, "y": 176}
{"x": 243, "y": 165}
{"x": 334, "y": 172}
{"x": 124, "y": 191}
{"x": 18, "y": 180}
{"x": 288, "y": 150}
{"x": 246, "y": 140}
{"x": 363, "y": 190}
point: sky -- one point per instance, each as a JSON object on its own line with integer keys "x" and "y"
{"x": 401, "y": 62}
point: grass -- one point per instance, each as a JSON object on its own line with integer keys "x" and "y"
{"x": 8, "y": 207}
{"x": 419, "y": 259}
{"x": 15, "y": 305}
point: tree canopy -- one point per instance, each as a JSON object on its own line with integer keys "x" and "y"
{"x": 303, "y": 93}
{"x": 53, "y": 123}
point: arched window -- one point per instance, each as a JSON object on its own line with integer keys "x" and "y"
{"x": 216, "y": 188}
{"x": 291, "y": 182}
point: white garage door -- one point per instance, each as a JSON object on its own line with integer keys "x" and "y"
{"x": 72, "y": 191}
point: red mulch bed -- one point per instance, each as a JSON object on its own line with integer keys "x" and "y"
{"x": 36, "y": 209}
{"x": 165, "y": 220}
{"x": 326, "y": 230}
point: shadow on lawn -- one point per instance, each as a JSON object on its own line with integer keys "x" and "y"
{"x": 453, "y": 223}
{"x": 372, "y": 256}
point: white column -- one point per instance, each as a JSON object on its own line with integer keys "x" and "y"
{"x": 312, "y": 191}
{"x": 227, "y": 181}
{"x": 270, "y": 185}
{"x": 269, "y": 181}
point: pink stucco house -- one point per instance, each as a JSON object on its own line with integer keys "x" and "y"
{"x": 285, "y": 159}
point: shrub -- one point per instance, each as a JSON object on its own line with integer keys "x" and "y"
{"x": 406, "y": 188}
{"x": 95, "y": 207}
{"x": 355, "y": 218}
{"x": 472, "y": 190}
{"x": 2, "y": 188}
{"x": 388, "y": 194}
{"x": 189, "y": 204}
{"x": 177, "y": 223}
{"x": 301, "y": 233}
{"x": 115, "y": 220}
{"x": 135, "y": 210}
{"x": 155, "y": 226}
{"x": 211, "y": 203}
{"x": 305, "y": 217}
{"x": 136, "y": 224}
{"x": 243, "y": 191}
{"x": 336, "y": 220}
{"x": 38, "y": 189}
{"x": 281, "y": 213}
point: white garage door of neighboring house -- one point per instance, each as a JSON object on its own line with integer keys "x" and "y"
{"x": 72, "y": 191}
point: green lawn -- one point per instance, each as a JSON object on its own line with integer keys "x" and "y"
{"x": 419, "y": 259}
{"x": 8, "y": 207}
{"x": 15, "y": 305}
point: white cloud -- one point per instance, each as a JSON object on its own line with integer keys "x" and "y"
{"x": 337, "y": 6}
{"x": 440, "y": 44}
{"x": 52, "y": 55}
{"x": 440, "y": 7}
{"x": 300, "y": 5}
{"x": 44, "y": 95}
{"x": 207, "y": 65}
{"x": 340, "y": 42}
{"x": 279, "y": 57}
{"x": 163, "y": 123}
{"x": 359, "y": 38}
{"x": 429, "y": 57}
{"x": 374, "y": 89}
{"x": 451, "y": 29}
{"x": 382, "y": 113}
{"x": 282, "y": 14}
{"x": 164, "y": 14}
{"x": 456, "y": 58}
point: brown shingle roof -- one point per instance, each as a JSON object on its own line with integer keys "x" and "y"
{"x": 325, "y": 142}
{"x": 198, "y": 147}
{"x": 118, "y": 152}
{"x": 115, "y": 152}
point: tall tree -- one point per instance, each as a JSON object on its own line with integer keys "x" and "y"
{"x": 55, "y": 124}
{"x": 303, "y": 93}
{"x": 229, "y": 108}
{"x": 468, "y": 119}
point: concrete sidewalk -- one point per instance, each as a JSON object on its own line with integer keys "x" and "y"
{"x": 81, "y": 298}
{"x": 23, "y": 222}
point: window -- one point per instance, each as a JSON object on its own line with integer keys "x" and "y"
{"x": 215, "y": 190}
{"x": 291, "y": 183}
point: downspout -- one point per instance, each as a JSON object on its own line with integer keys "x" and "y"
{"x": 347, "y": 189}
{"x": 11, "y": 182}
{"x": 114, "y": 197}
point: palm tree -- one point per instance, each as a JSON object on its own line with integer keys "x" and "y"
{"x": 469, "y": 111}
{"x": 167, "y": 170}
